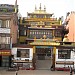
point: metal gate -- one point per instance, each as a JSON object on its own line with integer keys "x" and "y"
{"x": 43, "y": 58}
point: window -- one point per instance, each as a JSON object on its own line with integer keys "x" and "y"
{"x": 30, "y": 32}
{"x": 64, "y": 54}
{"x": 4, "y": 46}
{"x": 5, "y": 23}
{"x": 57, "y": 33}
{"x": 5, "y": 40}
{"x": 23, "y": 53}
{"x": 49, "y": 34}
{"x": 47, "y": 23}
{"x": 41, "y": 33}
{"x": 7, "y": 46}
{"x": 18, "y": 53}
{"x": 22, "y": 32}
{"x": 35, "y": 32}
{"x": 5, "y": 61}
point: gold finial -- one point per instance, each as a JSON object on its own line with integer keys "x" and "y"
{"x": 40, "y": 6}
{"x": 35, "y": 7}
{"x": 44, "y": 8}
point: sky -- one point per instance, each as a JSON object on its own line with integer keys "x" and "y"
{"x": 58, "y": 7}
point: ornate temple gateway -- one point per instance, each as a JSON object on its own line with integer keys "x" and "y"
{"x": 42, "y": 33}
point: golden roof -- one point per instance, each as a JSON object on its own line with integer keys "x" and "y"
{"x": 40, "y": 11}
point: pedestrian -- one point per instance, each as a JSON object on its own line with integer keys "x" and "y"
{"x": 16, "y": 72}
{"x": 71, "y": 72}
{"x": 74, "y": 71}
{"x": 52, "y": 68}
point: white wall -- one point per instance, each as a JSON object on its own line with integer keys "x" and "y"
{"x": 71, "y": 59}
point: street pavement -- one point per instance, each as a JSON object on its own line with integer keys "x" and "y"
{"x": 34, "y": 72}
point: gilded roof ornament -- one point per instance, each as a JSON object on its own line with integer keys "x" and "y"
{"x": 44, "y": 8}
{"x": 35, "y": 7}
{"x": 40, "y": 6}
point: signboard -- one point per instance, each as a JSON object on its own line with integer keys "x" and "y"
{"x": 5, "y": 52}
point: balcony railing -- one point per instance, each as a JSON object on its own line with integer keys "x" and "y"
{"x": 4, "y": 30}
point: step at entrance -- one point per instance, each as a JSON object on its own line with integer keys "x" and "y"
{"x": 43, "y": 64}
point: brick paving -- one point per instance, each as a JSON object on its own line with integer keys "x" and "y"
{"x": 34, "y": 72}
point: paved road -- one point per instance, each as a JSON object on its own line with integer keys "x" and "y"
{"x": 43, "y": 72}
{"x": 34, "y": 72}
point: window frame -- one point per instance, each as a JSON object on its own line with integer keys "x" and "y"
{"x": 64, "y": 54}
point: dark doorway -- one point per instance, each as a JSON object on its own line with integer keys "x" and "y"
{"x": 0, "y": 61}
{"x": 44, "y": 57}
{"x": 41, "y": 56}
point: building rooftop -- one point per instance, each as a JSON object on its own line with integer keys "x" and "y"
{"x": 40, "y": 11}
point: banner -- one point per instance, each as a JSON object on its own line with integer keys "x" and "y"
{"x": 5, "y": 52}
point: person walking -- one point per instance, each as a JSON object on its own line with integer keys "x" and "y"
{"x": 74, "y": 71}
{"x": 16, "y": 73}
{"x": 71, "y": 71}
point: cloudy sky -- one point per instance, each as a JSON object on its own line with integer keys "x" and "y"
{"x": 58, "y": 7}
